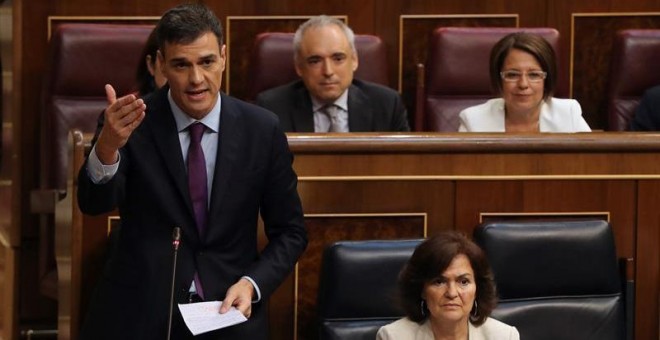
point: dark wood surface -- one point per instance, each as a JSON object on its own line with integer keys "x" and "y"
{"x": 586, "y": 29}
{"x": 369, "y": 186}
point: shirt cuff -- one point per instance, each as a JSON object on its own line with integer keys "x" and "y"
{"x": 98, "y": 172}
{"x": 256, "y": 288}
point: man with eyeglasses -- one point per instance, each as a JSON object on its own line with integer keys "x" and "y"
{"x": 523, "y": 71}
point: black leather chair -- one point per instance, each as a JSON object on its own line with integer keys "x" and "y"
{"x": 556, "y": 280}
{"x": 358, "y": 287}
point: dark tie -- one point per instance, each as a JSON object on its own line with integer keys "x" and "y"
{"x": 197, "y": 184}
{"x": 331, "y": 111}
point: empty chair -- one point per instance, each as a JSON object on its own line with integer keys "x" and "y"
{"x": 556, "y": 280}
{"x": 272, "y": 61}
{"x": 358, "y": 286}
{"x": 631, "y": 73}
{"x": 456, "y": 74}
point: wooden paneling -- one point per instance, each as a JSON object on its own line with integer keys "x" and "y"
{"x": 322, "y": 231}
{"x": 592, "y": 37}
{"x": 30, "y": 31}
{"x": 370, "y": 186}
{"x": 647, "y": 303}
{"x": 8, "y": 285}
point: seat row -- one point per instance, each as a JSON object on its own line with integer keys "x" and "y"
{"x": 555, "y": 280}
{"x": 84, "y": 57}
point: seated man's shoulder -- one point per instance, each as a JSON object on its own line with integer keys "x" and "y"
{"x": 250, "y": 111}
{"x": 653, "y": 93}
{"x": 279, "y": 93}
{"x": 373, "y": 89}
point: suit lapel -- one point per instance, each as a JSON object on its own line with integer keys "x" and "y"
{"x": 228, "y": 150}
{"x": 302, "y": 115}
{"x": 360, "y": 112}
{"x": 162, "y": 124}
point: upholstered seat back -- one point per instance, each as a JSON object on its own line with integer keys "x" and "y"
{"x": 83, "y": 58}
{"x": 272, "y": 61}
{"x": 358, "y": 287}
{"x": 632, "y": 71}
{"x": 457, "y": 73}
{"x": 556, "y": 280}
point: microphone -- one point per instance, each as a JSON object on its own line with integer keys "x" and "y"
{"x": 176, "y": 240}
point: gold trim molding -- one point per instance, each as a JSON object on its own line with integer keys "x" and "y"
{"x": 606, "y": 214}
{"x": 92, "y": 19}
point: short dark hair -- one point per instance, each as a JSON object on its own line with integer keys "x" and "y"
{"x": 185, "y": 23}
{"x": 532, "y": 44}
{"x": 430, "y": 259}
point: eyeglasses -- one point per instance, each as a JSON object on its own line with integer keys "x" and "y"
{"x": 516, "y": 76}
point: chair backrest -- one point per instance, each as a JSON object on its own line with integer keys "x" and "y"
{"x": 83, "y": 58}
{"x": 358, "y": 286}
{"x": 272, "y": 61}
{"x": 456, "y": 73}
{"x": 634, "y": 53}
{"x": 556, "y": 280}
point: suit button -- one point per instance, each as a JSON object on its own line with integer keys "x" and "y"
{"x": 200, "y": 253}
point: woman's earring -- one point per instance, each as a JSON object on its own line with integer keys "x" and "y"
{"x": 422, "y": 307}
{"x": 475, "y": 309}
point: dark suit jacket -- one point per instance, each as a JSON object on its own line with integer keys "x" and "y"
{"x": 253, "y": 175}
{"x": 371, "y": 107}
{"x": 647, "y": 114}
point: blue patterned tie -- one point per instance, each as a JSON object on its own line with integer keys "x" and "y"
{"x": 197, "y": 185}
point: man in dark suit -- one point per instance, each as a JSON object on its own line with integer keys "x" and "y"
{"x": 327, "y": 98}
{"x": 647, "y": 114}
{"x": 139, "y": 165}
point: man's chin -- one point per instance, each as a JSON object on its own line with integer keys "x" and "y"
{"x": 328, "y": 97}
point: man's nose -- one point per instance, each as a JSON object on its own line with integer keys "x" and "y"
{"x": 195, "y": 76}
{"x": 328, "y": 68}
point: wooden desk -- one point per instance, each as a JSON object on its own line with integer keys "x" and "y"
{"x": 375, "y": 186}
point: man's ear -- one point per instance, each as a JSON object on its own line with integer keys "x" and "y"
{"x": 223, "y": 55}
{"x": 296, "y": 65}
{"x": 160, "y": 57}
{"x": 355, "y": 61}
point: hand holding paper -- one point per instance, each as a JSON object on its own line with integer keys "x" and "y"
{"x": 205, "y": 316}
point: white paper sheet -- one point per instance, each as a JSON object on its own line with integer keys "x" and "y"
{"x": 205, "y": 316}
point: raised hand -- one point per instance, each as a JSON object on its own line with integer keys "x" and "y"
{"x": 122, "y": 117}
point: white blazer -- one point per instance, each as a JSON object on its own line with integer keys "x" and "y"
{"x": 406, "y": 329}
{"x": 557, "y": 115}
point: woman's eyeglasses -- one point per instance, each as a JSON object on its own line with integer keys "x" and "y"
{"x": 516, "y": 76}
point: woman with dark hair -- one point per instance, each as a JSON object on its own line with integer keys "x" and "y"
{"x": 149, "y": 76}
{"x": 523, "y": 71}
{"x": 448, "y": 292}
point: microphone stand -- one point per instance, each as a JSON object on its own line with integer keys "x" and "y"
{"x": 176, "y": 239}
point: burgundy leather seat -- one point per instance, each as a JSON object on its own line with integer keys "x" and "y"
{"x": 456, "y": 73}
{"x": 82, "y": 59}
{"x": 632, "y": 71}
{"x": 272, "y": 61}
